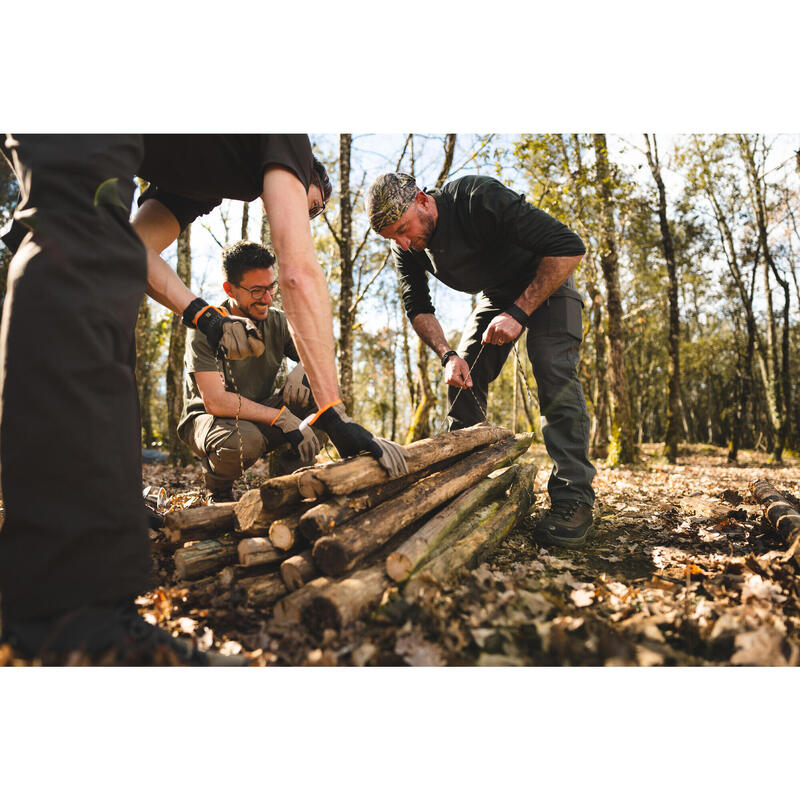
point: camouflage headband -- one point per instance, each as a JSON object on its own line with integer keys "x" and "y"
{"x": 388, "y": 198}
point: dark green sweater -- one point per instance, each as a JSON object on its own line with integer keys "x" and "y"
{"x": 487, "y": 239}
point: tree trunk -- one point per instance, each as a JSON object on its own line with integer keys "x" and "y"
{"x": 145, "y": 352}
{"x": 245, "y": 219}
{"x": 362, "y": 472}
{"x": 423, "y": 545}
{"x": 345, "y": 243}
{"x": 335, "y": 555}
{"x": 673, "y": 380}
{"x": 623, "y": 450}
{"x": 179, "y": 452}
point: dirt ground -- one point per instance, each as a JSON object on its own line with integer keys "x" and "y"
{"x": 682, "y": 570}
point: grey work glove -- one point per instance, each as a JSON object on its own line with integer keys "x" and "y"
{"x": 301, "y": 438}
{"x": 296, "y": 391}
{"x": 229, "y": 337}
{"x": 350, "y": 438}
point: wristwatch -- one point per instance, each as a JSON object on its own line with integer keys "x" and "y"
{"x": 447, "y": 355}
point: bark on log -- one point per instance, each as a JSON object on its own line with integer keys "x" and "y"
{"x": 204, "y": 558}
{"x": 263, "y": 590}
{"x": 335, "y": 555}
{"x": 283, "y": 532}
{"x": 782, "y": 515}
{"x": 297, "y": 571}
{"x": 258, "y": 550}
{"x": 343, "y": 602}
{"x": 277, "y": 493}
{"x": 322, "y": 519}
{"x": 288, "y": 610}
{"x": 486, "y": 528}
{"x": 361, "y": 472}
{"x": 200, "y": 522}
{"x": 423, "y": 544}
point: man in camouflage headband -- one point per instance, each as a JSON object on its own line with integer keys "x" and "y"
{"x": 480, "y": 237}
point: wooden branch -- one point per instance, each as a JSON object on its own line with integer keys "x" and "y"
{"x": 200, "y": 522}
{"x": 322, "y": 519}
{"x": 361, "y": 472}
{"x": 283, "y": 532}
{"x": 204, "y": 558}
{"x": 335, "y": 555}
{"x": 258, "y": 550}
{"x": 782, "y": 515}
{"x": 298, "y": 570}
{"x": 487, "y": 527}
{"x": 423, "y": 544}
{"x": 343, "y": 602}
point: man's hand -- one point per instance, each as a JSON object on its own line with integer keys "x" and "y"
{"x": 502, "y": 330}
{"x": 300, "y": 437}
{"x": 456, "y": 373}
{"x": 296, "y": 391}
{"x": 229, "y": 337}
{"x": 349, "y": 438}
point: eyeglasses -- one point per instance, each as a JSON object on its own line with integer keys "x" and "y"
{"x": 317, "y": 209}
{"x": 257, "y": 292}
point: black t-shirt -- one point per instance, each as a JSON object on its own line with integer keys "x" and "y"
{"x": 192, "y": 173}
{"x": 487, "y": 239}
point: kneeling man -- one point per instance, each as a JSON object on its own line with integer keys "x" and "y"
{"x": 218, "y": 392}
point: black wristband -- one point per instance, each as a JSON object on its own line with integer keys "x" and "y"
{"x": 192, "y": 310}
{"x": 447, "y": 355}
{"x": 518, "y": 314}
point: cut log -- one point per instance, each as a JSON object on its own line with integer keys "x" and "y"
{"x": 297, "y": 571}
{"x": 345, "y": 601}
{"x": 485, "y": 529}
{"x": 322, "y": 519}
{"x": 258, "y": 550}
{"x": 283, "y": 532}
{"x": 288, "y": 610}
{"x": 280, "y": 492}
{"x": 253, "y": 517}
{"x": 782, "y": 515}
{"x": 361, "y": 472}
{"x": 424, "y": 543}
{"x": 263, "y": 590}
{"x": 335, "y": 555}
{"x": 200, "y": 522}
{"x": 203, "y": 558}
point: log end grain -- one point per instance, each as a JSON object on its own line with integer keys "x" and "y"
{"x": 330, "y": 556}
{"x": 310, "y": 486}
{"x": 398, "y": 566}
{"x": 320, "y": 614}
{"x": 297, "y": 570}
{"x": 282, "y": 535}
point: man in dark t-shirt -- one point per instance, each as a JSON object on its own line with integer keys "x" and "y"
{"x": 478, "y": 236}
{"x": 74, "y": 557}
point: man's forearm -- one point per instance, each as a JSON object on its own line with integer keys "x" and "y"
{"x": 227, "y": 405}
{"x": 551, "y": 273}
{"x": 430, "y": 331}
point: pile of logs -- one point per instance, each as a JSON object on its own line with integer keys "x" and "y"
{"x": 323, "y": 544}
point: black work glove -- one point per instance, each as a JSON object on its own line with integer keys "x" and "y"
{"x": 300, "y": 437}
{"x": 230, "y": 337}
{"x": 350, "y": 438}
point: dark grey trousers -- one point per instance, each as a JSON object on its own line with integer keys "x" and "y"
{"x": 553, "y": 341}
{"x": 75, "y": 531}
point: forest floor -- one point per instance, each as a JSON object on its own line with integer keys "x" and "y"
{"x": 682, "y": 570}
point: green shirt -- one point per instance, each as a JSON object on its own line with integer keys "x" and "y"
{"x": 254, "y": 377}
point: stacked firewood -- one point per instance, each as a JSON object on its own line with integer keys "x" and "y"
{"x": 322, "y": 545}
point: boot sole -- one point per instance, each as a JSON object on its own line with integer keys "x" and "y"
{"x": 570, "y": 542}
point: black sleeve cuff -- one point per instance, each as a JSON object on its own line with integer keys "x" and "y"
{"x": 518, "y": 314}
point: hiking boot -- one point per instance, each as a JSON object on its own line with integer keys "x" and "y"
{"x": 566, "y": 524}
{"x": 111, "y": 634}
{"x": 225, "y": 495}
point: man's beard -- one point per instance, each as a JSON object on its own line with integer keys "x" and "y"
{"x": 428, "y": 226}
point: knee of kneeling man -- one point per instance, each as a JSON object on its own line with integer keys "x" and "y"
{"x": 231, "y": 451}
